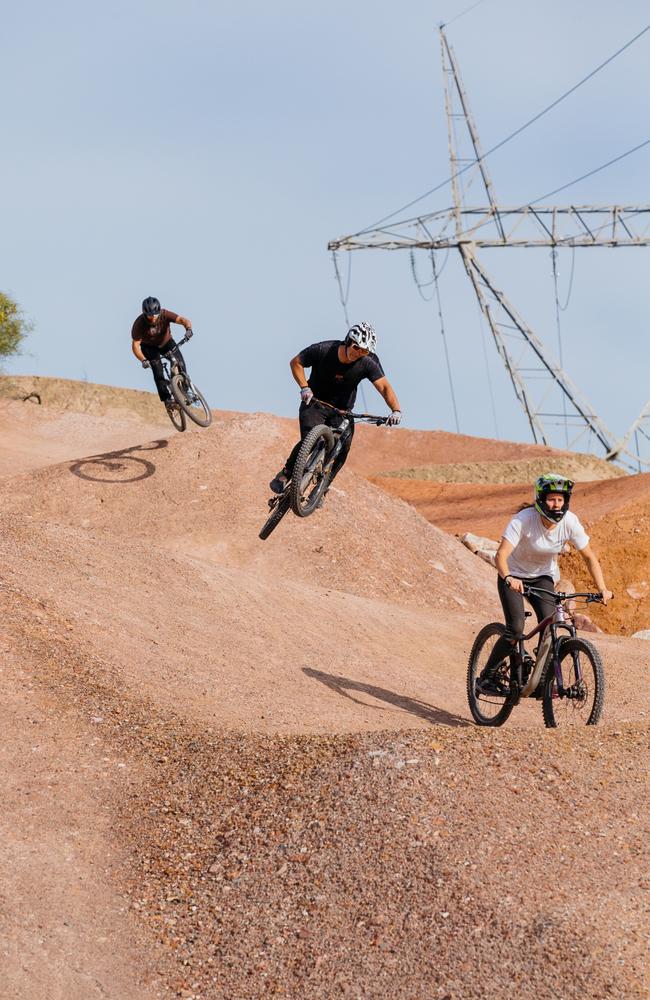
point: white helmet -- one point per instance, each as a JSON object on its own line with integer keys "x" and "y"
{"x": 363, "y": 335}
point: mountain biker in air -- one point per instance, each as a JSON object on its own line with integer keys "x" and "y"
{"x": 151, "y": 337}
{"x": 337, "y": 367}
{"x": 527, "y": 557}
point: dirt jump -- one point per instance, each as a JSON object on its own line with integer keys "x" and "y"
{"x": 245, "y": 769}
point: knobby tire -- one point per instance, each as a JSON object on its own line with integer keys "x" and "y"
{"x": 178, "y": 418}
{"x": 562, "y": 712}
{"x": 181, "y": 384}
{"x": 320, "y": 439}
{"x": 487, "y": 710}
{"x": 276, "y": 516}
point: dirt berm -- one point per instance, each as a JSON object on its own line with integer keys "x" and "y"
{"x": 237, "y": 769}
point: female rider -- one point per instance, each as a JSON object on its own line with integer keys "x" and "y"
{"x": 527, "y": 556}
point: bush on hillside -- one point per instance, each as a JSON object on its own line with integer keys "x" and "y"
{"x": 13, "y": 327}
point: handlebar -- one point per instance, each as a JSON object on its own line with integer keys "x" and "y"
{"x": 183, "y": 340}
{"x": 558, "y": 596}
{"x": 368, "y": 417}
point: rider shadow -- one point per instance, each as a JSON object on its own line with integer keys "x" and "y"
{"x": 342, "y": 685}
{"x": 118, "y": 466}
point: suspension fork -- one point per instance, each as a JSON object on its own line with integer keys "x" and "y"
{"x": 557, "y": 667}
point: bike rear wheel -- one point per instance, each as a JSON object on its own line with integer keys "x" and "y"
{"x": 488, "y": 709}
{"x": 579, "y": 697}
{"x": 309, "y": 479}
{"x": 190, "y": 399}
{"x": 177, "y": 417}
{"x": 278, "y": 512}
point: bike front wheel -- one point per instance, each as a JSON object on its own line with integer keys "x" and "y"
{"x": 576, "y": 695}
{"x": 309, "y": 479}
{"x": 488, "y": 709}
{"x": 190, "y": 399}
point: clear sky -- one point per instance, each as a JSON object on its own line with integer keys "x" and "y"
{"x": 205, "y": 152}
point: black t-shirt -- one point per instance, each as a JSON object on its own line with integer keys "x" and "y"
{"x": 332, "y": 381}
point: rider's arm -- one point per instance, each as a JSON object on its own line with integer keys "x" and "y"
{"x": 183, "y": 322}
{"x": 591, "y": 560}
{"x": 298, "y": 371}
{"x": 501, "y": 562}
{"x": 137, "y": 350}
{"x": 385, "y": 389}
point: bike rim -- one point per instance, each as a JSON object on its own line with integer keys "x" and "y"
{"x": 489, "y": 705}
{"x": 312, "y": 480}
{"x": 574, "y": 699}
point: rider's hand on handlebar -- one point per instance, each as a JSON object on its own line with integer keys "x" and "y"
{"x": 189, "y": 334}
{"x": 605, "y": 596}
{"x": 515, "y": 584}
{"x": 146, "y": 364}
{"x": 306, "y": 395}
{"x": 394, "y": 419}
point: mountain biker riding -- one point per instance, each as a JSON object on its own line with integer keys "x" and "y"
{"x": 527, "y": 557}
{"x": 151, "y": 337}
{"x": 337, "y": 367}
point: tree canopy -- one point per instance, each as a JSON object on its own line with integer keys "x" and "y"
{"x": 13, "y": 327}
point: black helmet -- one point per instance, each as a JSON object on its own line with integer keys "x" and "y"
{"x": 552, "y": 483}
{"x": 151, "y": 306}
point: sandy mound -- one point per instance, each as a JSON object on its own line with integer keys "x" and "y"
{"x": 207, "y": 756}
{"x": 580, "y": 468}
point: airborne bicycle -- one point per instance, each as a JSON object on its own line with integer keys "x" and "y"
{"x": 312, "y": 470}
{"x": 566, "y": 672}
{"x": 189, "y": 401}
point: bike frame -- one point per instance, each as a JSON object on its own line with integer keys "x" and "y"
{"x": 549, "y": 646}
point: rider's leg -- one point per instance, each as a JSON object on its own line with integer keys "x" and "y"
{"x": 341, "y": 458}
{"x": 171, "y": 345}
{"x": 542, "y": 605}
{"x": 152, "y": 354}
{"x": 309, "y": 417}
{"x": 512, "y": 603}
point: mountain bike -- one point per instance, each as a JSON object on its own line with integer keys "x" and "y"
{"x": 190, "y": 401}
{"x": 566, "y": 672}
{"x": 312, "y": 470}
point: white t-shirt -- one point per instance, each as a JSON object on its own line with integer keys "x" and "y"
{"x": 536, "y": 548}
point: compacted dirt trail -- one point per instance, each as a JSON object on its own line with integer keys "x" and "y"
{"x": 237, "y": 769}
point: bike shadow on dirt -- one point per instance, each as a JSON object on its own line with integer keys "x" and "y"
{"x": 118, "y": 466}
{"x": 421, "y": 709}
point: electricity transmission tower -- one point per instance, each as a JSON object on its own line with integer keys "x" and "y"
{"x": 544, "y": 390}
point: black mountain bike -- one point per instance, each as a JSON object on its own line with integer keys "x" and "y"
{"x": 566, "y": 673}
{"x": 312, "y": 471}
{"x": 189, "y": 401}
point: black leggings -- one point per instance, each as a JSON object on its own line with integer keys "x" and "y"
{"x": 153, "y": 354}
{"x": 513, "y": 609}
{"x": 311, "y": 416}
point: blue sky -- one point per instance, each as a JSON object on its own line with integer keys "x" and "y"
{"x": 205, "y": 152}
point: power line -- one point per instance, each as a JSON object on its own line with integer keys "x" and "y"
{"x": 512, "y": 135}
{"x": 591, "y": 173}
{"x": 462, "y": 13}
{"x": 444, "y": 340}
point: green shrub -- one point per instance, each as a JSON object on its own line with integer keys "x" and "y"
{"x": 13, "y": 327}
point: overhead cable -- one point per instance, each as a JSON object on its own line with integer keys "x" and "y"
{"x": 512, "y": 135}
{"x": 462, "y": 13}
{"x": 591, "y": 173}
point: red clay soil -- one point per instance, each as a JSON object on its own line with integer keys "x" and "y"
{"x": 241, "y": 769}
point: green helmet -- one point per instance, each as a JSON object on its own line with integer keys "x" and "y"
{"x": 550, "y": 482}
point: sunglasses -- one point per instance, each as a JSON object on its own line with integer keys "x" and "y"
{"x": 362, "y": 350}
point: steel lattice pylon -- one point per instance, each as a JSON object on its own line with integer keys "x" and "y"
{"x": 544, "y": 390}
